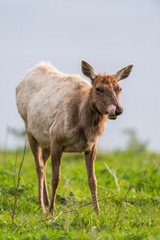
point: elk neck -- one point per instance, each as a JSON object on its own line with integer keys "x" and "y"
{"x": 91, "y": 120}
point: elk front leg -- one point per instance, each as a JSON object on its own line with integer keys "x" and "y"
{"x": 90, "y": 156}
{"x": 56, "y": 154}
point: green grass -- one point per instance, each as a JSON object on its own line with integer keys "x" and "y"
{"x": 136, "y": 216}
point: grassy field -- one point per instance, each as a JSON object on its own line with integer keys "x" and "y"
{"x": 133, "y": 214}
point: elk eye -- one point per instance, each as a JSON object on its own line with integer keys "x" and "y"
{"x": 98, "y": 90}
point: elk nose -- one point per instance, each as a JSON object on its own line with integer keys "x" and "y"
{"x": 118, "y": 111}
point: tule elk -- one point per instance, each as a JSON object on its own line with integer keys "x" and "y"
{"x": 65, "y": 113}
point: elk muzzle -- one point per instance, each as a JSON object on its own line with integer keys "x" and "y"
{"x": 119, "y": 111}
{"x": 113, "y": 111}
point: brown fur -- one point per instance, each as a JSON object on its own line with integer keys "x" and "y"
{"x": 65, "y": 114}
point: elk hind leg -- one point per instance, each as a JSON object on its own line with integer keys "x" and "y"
{"x": 45, "y": 156}
{"x": 37, "y": 152}
{"x": 56, "y": 153}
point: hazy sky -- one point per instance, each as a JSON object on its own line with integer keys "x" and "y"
{"x": 108, "y": 34}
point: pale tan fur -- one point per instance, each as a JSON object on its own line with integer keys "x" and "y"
{"x": 64, "y": 113}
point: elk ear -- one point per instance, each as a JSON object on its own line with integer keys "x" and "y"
{"x": 124, "y": 72}
{"x": 88, "y": 70}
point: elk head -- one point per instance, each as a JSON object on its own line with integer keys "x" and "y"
{"x": 105, "y": 89}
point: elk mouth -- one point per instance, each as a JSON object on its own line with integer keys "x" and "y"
{"x": 110, "y": 117}
{"x": 111, "y": 112}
